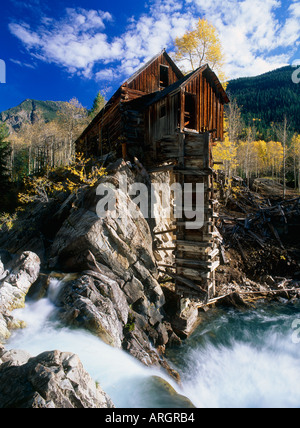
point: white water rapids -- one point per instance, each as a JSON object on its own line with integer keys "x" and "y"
{"x": 127, "y": 381}
{"x": 234, "y": 359}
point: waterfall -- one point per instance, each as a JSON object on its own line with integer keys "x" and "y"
{"x": 121, "y": 376}
{"x": 243, "y": 359}
{"x": 234, "y": 359}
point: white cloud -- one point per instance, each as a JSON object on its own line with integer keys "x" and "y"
{"x": 22, "y": 64}
{"x": 75, "y": 42}
{"x": 257, "y": 36}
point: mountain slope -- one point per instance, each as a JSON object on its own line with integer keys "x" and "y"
{"x": 28, "y": 111}
{"x": 268, "y": 97}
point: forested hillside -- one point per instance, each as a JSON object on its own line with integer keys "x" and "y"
{"x": 41, "y": 134}
{"x": 267, "y": 99}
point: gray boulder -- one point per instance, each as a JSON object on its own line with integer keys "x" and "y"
{"x": 17, "y": 279}
{"x": 51, "y": 380}
{"x": 95, "y": 302}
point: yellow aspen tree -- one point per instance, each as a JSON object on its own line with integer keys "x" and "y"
{"x": 226, "y": 152}
{"x": 201, "y": 46}
{"x": 295, "y": 156}
{"x": 275, "y": 158}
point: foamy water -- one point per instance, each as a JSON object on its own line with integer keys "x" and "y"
{"x": 243, "y": 359}
{"x": 234, "y": 359}
{"x": 121, "y": 376}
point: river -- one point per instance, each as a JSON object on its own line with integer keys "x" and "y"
{"x": 247, "y": 359}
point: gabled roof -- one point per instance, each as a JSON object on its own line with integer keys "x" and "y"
{"x": 145, "y": 66}
{"x": 150, "y": 99}
{"x": 205, "y": 70}
{"x": 126, "y": 83}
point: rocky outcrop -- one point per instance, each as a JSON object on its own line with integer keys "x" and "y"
{"x": 95, "y": 302}
{"x": 115, "y": 292}
{"x": 117, "y": 296}
{"x": 16, "y": 277}
{"x": 51, "y": 380}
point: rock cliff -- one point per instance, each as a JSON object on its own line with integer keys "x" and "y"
{"x": 52, "y": 380}
{"x": 113, "y": 290}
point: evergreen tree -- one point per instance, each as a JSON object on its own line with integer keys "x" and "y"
{"x": 5, "y": 152}
{"x": 8, "y": 192}
{"x": 98, "y": 104}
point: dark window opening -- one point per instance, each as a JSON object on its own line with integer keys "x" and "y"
{"x": 162, "y": 111}
{"x": 164, "y": 76}
{"x": 190, "y": 111}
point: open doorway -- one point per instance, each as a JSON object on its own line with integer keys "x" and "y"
{"x": 190, "y": 111}
{"x": 164, "y": 76}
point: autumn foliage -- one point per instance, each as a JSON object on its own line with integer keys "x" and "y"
{"x": 83, "y": 172}
{"x": 201, "y": 46}
{"x": 252, "y": 158}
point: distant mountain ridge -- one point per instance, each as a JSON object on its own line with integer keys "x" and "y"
{"x": 265, "y": 98}
{"x": 28, "y": 111}
{"x": 268, "y": 98}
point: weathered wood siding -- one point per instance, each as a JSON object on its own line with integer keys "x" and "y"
{"x": 162, "y": 119}
{"x": 209, "y": 108}
{"x": 148, "y": 81}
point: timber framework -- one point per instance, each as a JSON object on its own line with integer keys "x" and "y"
{"x": 170, "y": 122}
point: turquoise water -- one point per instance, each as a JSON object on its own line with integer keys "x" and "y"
{"x": 234, "y": 359}
{"x": 247, "y": 359}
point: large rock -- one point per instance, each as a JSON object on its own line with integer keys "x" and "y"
{"x": 119, "y": 248}
{"x": 116, "y": 294}
{"x": 95, "y": 302}
{"x": 119, "y": 243}
{"x": 17, "y": 277}
{"x": 51, "y": 380}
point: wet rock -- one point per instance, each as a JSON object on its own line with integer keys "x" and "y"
{"x": 233, "y": 300}
{"x": 50, "y": 380}
{"x": 167, "y": 392}
{"x": 22, "y": 272}
{"x": 97, "y": 303}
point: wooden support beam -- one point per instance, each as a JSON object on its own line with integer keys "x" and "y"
{"x": 190, "y": 262}
{"x": 166, "y": 266}
{"x": 192, "y": 244}
{"x": 186, "y": 282}
{"x": 165, "y": 249}
{"x": 162, "y": 168}
{"x": 165, "y": 231}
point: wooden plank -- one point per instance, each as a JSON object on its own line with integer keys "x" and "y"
{"x": 165, "y": 249}
{"x": 165, "y": 231}
{"x": 192, "y": 244}
{"x": 191, "y": 262}
{"x": 162, "y": 168}
{"x": 188, "y": 283}
{"x": 192, "y": 273}
{"x": 166, "y": 266}
{"x": 213, "y": 253}
{"x": 191, "y": 171}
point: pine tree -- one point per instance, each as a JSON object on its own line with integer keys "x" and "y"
{"x": 5, "y": 152}
{"x": 98, "y": 104}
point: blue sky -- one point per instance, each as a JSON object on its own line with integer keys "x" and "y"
{"x": 63, "y": 49}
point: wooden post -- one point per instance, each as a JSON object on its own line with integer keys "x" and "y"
{"x": 124, "y": 151}
{"x": 182, "y": 109}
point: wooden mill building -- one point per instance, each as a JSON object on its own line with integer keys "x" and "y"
{"x": 170, "y": 122}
